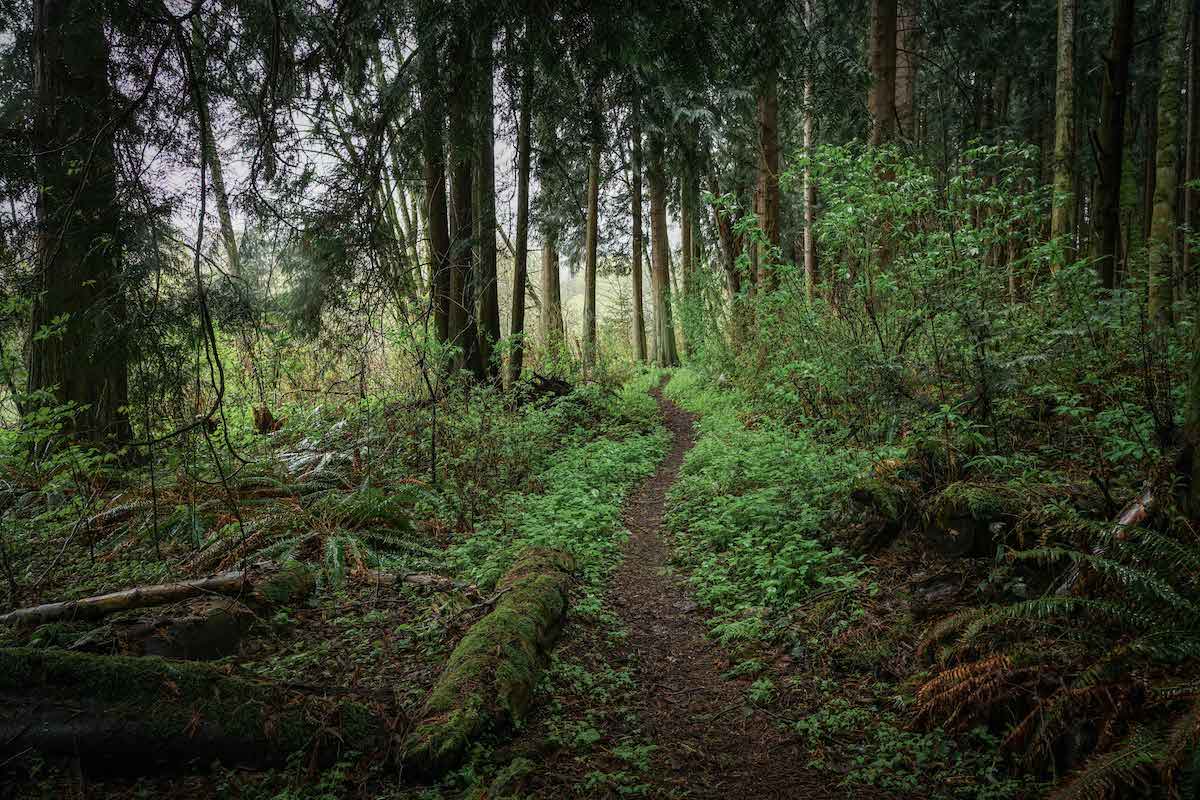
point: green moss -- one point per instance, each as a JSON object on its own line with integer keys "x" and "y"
{"x": 490, "y": 676}
{"x": 291, "y": 583}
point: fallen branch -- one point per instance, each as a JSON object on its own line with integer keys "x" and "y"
{"x": 489, "y": 679}
{"x": 283, "y": 585}
{"x": 425, "y": 579}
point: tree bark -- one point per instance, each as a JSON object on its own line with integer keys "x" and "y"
{"x": 487, "y": 284}
{"x": 666, "y": 354}
{"x": 1110, "y": 142}
{"x": 590, "y": 246}
{"x": 216, "y": 171}
{"x": 1163, "y": 222}
{"x": 1191, "y": 197}
{"x": 1063, "y": 213}
{"x": 768, "y": 177}
{"x": 77, "y": 293}
{"x": 435, "y": 207}
{"x": 521, "y": 246}
{"x": 881, "y": 102}
{"x": 639, "y": 314}
{"x": 908, "y": 39}
{"x": 552, "y": 318}
{"x": 810, "y": 187}
{"x": 463, "y": 327}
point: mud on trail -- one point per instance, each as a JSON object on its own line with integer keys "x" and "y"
{"x": 709, "y": 743}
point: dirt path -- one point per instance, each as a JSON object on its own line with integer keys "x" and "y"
{"x": 708, "y": 743}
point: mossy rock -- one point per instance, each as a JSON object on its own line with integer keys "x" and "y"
{"x": 135, "y": 715}
{"x": 965, "y": 518}
{"x": 887, "y": 504}
{"x": 489, "y": 679}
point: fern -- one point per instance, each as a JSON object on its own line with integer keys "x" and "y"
{"x": 1129, "y": 765}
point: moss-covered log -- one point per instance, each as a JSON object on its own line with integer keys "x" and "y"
{"x": 488, "y": 681}
{"x": 270, "y": 586}
{"x": 136, "y": 715}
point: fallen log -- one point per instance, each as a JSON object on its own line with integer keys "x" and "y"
{"x": 137, "y": 715}
{"x": 264, "y": 587}
{"x": 1134, "y": 514}
{"x": 204, "y": 628}
{"x": 489, "y": 679}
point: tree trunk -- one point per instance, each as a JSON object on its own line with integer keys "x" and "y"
{"x": 1063, "y": 214}
{"x": 521, "y": 246}
{"x": 639, "y": 314}
{"x": 590, "y": 245}
{"x": 216, "y": 171}
{"x": 908, "y": 42}
{"x": 77, "y": 291}
{"x": 768, "y": 177}
{"x": 433, "y": 120}
{"x": 1191, "y": 197}
{"x": 487, "y": 287}
{"x": 665, "y": 354}
{"x": 810, "y": 187}
{"x": 1162, "y": 226}
{"x": 881, "y": 102}
{"x": 463, "y": 323}
{"x": 1110, "y": 142}
{"x": 552, "y": 318}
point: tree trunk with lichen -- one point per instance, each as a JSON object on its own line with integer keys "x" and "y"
{"x": 1162, "y": 221}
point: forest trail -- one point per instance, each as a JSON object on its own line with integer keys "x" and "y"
{"x": 709, "y": 744}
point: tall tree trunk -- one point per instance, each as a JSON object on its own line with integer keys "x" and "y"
{"x": 881, "y": 102}
{"x": 733, "y": 280}
{"x": 635, "y": 168}
{"x": 552, "y": 318}
{"x": 666, "y": 354}
{"x": 78, "y": 258}
{"x": 463, "y": 328}
{"x": 1191, "y": 197}
{"x": 768, "y": 175}
{"x": 590, "y": 245}
{"x": 433, "y": 121}
{"x": 216, "y": 172}
{"x": 1162, "y": 227}
{"x": 1063, "y": 214}
{"x": 486, "y": 279}
{"x": 687, "y": 253}
{"x": 908, "y": 42}
{"x": 1110, "y": 142}
{"x": 521, "y": 246}
{"x": 810, "y": 186}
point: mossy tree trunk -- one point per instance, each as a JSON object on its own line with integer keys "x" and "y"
{"x": 1162, "y": 223}
{"x": 1063, "y": 213}
{"x": 521, "y": 245}
{"x": 635, "y": 190}
{"x": 666, "y": 354}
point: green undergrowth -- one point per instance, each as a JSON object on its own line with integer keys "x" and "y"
{"x": 751, "y": 510}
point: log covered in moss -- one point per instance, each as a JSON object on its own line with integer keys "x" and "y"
{"x": 489, "y": 679}
{"x": 138, "y": 715}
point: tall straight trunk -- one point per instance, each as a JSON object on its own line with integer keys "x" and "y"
{"x": 590, "y": 244}
{"x": 666, "y": 354}
{"x": 908, "y": 42}
{"x": 552, "y": 318}
{"x": 1110, "y": 140}
{"x": 733, "y": 280}
{"x": 412, "y": 235}
{"x": 810, "y": 186}
{"x": 1162, "y": 227}
{"x": 881, "y": 101}
{"x": 463, "y": 327}
{"x": 687, "y": 254}
{"x": 216, "y": 171}
{"x": 635, "y": 169}
{"x": 1191, "y": 197}
{"x": 768, "y": 175}
{"x": 521, "y": 245}
{"x": 78, "y": 288}
{"x": 486, "y": 278}
{"x": 435, "y": 209}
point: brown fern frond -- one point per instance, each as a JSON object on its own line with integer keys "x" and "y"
{"x": 944, "y": 695}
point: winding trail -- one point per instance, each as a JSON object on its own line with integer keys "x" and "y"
{"x": 709, "y": 743}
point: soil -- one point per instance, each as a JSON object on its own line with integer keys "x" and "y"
{"x": 709, "y": 743}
